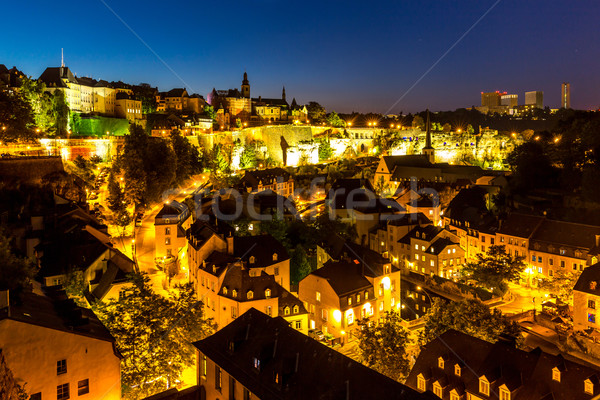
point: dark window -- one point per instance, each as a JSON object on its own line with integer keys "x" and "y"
{"x": 247, "y": 394}
{"x": 592, "y": 318}
{"x": 36, "y": 396}
{"x": 83, "y": 387}
{"x": 61, "y": 367}
{"x": 231, "y": 388}
{"x": 591, "y": 304}
{"x": 62, "y": 392}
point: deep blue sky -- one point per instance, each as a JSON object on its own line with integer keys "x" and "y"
{"x": 348, "y": 55}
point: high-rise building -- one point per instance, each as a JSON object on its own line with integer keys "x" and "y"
{"x": 534, "y": 98}
{"x": 565, "y": 95}
{"x": 510, "y": 100}
{"x": 491, "y": 99}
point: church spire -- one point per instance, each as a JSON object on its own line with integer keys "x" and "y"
{"x": 428, "y": 138}
{"x": 428, "y": 150}
{"x": 283, "y": 94}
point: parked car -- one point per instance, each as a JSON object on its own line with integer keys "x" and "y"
{"x": 316, "y": 334}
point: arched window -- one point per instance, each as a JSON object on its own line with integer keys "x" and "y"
{"x": 268, "y": 293}
{"x": 224, "y": 290}
{"x": 250, "y": 295}
{"x": 234, "y": 293}
{"x": 286, "y": 311}
{"x": 274, "y": 256}
{"x": 252, "y": 260}
{"x": 296, "y": 309}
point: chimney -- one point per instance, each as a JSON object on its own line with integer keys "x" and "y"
{"x": 230, "y": 244}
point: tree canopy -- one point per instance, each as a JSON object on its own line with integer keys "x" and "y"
{"x": 334, "y": 119}
{"x": 382, "y": 346}
{"x": 468, "y": 316}
{"x": 16, "y": 273}
{"x": 154, "y": 335}
{"x": 495, "y": 267}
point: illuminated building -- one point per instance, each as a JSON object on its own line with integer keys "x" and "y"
{"x": 126, "y": 106}
{"x": 178, "y": 100}
{"x": 260, "y": 357}
{"x": 170, "y": 225}
{"x": 459, "y": 366}
{"x": 431, "y": 250}
{"x": 59, "y": 350}
{"x": 276, "y": 179}
{"x": 565, "y": 95}
{"x": 534, "y": 98}
{"x": 355, "y": 284}
{"x": 491, "y": 99}
{"x": 509, "y": 100}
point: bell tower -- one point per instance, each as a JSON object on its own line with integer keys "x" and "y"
{"x": 245, "y": 86}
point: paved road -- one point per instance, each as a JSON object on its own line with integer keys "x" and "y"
{"x": 523, "y": 300}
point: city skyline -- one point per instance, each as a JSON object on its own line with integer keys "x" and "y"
{"x": 347, "y": 57}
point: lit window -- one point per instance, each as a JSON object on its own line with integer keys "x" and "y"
{"x": 274, "y": 256}
{"x": 252, "y": 260}
{"x": 350, "y": 318}
{"x": 286, "y": 311}
{"x": 234, "y": 293}
{"x": 268, "y": 293}
{"x": 592, "y": 318}
{"x": 504, "y": 394}
{"x": 421, "y": 383}
{"x": 484, "y": 386}
{"x": 224, "y": 290}
{"x": 591, "y": 304}
{"x": 437, "y": 390}
{"x": 318, "y": 296}
{"x": 555, "y": 374}
{"x": 441, "y": 363}
{"x": 250, "y": 295}
{"x": 588, "y": 387}
{"x": 454, "y": 396}
{"x": 367, "y": 295}
{"x": 296, "y": 309}
{"x": 349, "y": 300}
{"x": 457, "y": 370}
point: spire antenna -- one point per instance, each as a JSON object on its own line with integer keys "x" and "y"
{"x": 62, "y": 57}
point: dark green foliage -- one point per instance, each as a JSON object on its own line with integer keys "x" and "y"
{"x": 383, "y": 346}
{"x": 115, "y": 197}
{"x": 16, "y": 117}
{"x": 299, "y": 264}
{"x": 154, "y": 335}
{"x": 316, "y": 112}
{"x": 16, "y": 273}
{"x": 188, "y": 161}
{"x": 468, "y": 316}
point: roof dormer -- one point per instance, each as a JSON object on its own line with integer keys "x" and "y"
{"x": 250, "y": 295}
{"x": 441, "y": 362}
{"x": 252, "y": 259}
{"x": 588, "y": 386}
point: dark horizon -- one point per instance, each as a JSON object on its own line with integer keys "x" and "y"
{"x": 346, "y": 56}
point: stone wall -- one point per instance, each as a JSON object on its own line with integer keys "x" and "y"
{"x": 31, "y": 169}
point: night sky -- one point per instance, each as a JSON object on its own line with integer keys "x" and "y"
{"x": 347, "y": 55}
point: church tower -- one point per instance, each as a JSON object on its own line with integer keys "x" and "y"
{"x": 245, "y": 86}
{"x": 428, "y": 150}
{"x": 283, "y": 94}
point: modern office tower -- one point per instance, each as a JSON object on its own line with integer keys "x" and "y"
{"x": 565, "y": 95}
{"x": 510, "y": 100}
{"x": 535, "y": 98}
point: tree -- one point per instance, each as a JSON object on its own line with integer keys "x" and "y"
{"x": 16, "y": 117}
{"x": 333, "y": 119}
{"x": 187, "y": 157}
{"x": 154, "y": 335}
{"x": 60, "y": 113}
{"x": 418, "y": 122}
{"x": 218, "y": 159}
{"x": 468, "y": 316}
{"x": 316, "y": 112}
{"x": 115, "y": 198}
{"x": 531, "y": 166}
{"x": 299, "y": 264}
{"x": 495, "y": 267}
{"x": 210, "y": 112}
{"x": 470, "y": 129}
{"x": 325, "y": 150}
{"x": 248, "y": 157}
{"x": 75, "y": 287}
{"x": 447, "y": 127}
{"x": 383, "y": 346}
{"x": 16, "y": 273}
{"x": 276, "y": 227}
{"x": 560, "y": 285}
